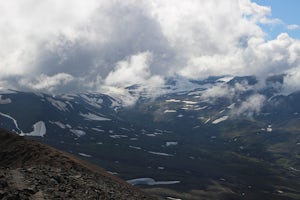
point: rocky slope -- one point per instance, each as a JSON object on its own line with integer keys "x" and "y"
{"x": 30, "y": 170}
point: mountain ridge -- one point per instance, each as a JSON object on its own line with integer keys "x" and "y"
{"x": 20, "y": 156}
{"x": 235, "y": 132}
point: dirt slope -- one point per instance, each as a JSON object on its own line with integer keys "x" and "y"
{"x": 31, "y": 170}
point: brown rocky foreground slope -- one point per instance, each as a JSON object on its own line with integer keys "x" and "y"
{"x": 31, "y": 170}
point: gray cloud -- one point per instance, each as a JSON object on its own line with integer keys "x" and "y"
{"x": 229, "y": 91}
{"x": 75, "y": 45}
{"x": 118, "y": 32}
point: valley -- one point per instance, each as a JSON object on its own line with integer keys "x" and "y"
{"x": 241, "y": 142}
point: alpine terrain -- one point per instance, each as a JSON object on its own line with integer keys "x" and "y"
{"x": 218, "y": 138}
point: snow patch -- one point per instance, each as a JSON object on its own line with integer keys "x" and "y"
{"x": 39, "y": 129}
{"x": 221, "y": 111}
{"x": 113, "y": 173}
{"x": 225, "y": 79}
{"x": 91, "y": 116}
{"x": 58, "y": 104}
{"x": 98, "y": 130}
{"x": 114, "y": 103}
{"x": 59, "y": 124}
{"x": 171, "y": 143}
{"x": 84, "y": 155}
{"x": 150, "y": 135}
{"x": 118, "y": 136}
{"x": 220, "y": 120}
{"x": 207, "y": 121}
{"x": 190, "y": 102}
{"x": 170, "y": 111}
{"x": 68, "y": 126}
{"x": 69, "y": 96}
{"x": 77, "y": 132}
{"x": 173, "y": 101}
{"x": 15, "y": 121}
{"x": 160, "y": 154}
{"x": 201, "y": 108}
{"x": 134, "y": 147}
{"x": 93, "y": 101}
{"x": 269, "y": 129}
{"x": 5, "y": 101}
{"x": 172, "y": 198}
{"x": 231, "y": 106}
{"x": 150, "y": 181}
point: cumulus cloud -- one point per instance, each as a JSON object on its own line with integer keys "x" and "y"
{"x": 225, "y": 90}
{"x": 46, "y": 83}
{"x": 26, "y": 25}
{"x": 249, "y": 107}
{"x": 134, "y": 70}
{"x": 117, "y": 43}
{"x": 291, "y": 81}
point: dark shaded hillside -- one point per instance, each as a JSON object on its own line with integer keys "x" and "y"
{"x": 30, "y": 170}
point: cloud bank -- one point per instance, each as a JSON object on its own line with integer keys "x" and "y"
{"x": 74, "y": 45}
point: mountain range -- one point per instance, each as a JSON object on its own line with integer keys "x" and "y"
{"x": 218, "y": 138}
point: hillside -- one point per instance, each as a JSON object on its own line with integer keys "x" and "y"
{"x": 218, "y": 138}
{"x": 31, "y": 170}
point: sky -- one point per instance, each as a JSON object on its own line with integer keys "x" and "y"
{"x": 60, "y": 46}
{"x": 288, "y": 13}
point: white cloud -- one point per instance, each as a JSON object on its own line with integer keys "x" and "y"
{"x": 249, "y": 107}
{"x": 259, "y": 58}
{"x": 270, "y": 21}
{"x": 225, "y": 90}
{"x": 291, "y": 81}
{"x": 47, "y": 83}
{"x": 25, "y": 25}
{"x": 4, "y": 85}
{"x": 217, "y": 91}
{"x": 134, "y": 70}
{"x": 293, "y": 27}
{"x": 99, "y": 42}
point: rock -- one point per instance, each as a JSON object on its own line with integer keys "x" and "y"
{"x": 3, "y": 184}
{"x": 2, "y": 194}
{"x": 29, "y": 191}
{"x": 30, "y": 170}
